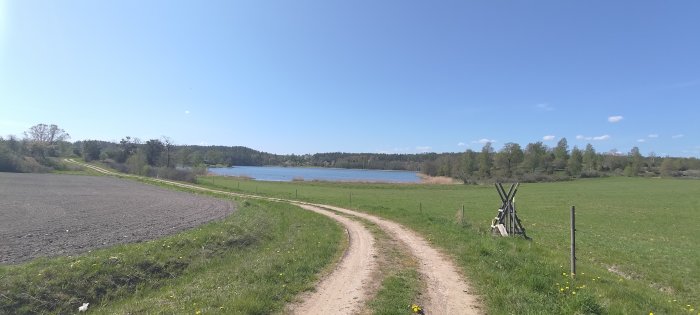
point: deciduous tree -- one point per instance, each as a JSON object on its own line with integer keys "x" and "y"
{"x": 561, "y": 154}
{"x": 485, "y": 162}
{"x": 153, "y": 150}
{"x": 575, "y": 162}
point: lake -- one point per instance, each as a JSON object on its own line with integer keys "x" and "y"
{"x": 287, "y": 174}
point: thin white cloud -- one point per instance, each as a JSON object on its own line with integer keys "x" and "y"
{"x": 641, "y": 140}
{"x": 598, "y": 138}
{"x": 548, "y": 138}
{"x": 678, "y": 136}
{"x": 187, "y": 112}
{"x": 544, "y": 107}
{"x": 653, "y": 136}
{"x": 423, "y": 149}
{"x": 461, "y": 144}
{"x": 484, "y": 141}
{"x": 615, "y": 119}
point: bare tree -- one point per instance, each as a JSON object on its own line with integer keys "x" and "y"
{"x": 42, "y": 139}
{"x": 46, "y": 134}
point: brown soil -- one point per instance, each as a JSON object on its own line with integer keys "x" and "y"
{"x": 48, "y": 214}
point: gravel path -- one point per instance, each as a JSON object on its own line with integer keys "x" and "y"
{"x": 50, "y": 214}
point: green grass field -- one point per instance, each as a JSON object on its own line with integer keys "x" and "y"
{"x": 637, "y": 240}
{"x": 253, "y": 262}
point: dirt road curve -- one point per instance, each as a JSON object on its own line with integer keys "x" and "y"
{"x": 448, "y": 292}
{"x": 48, "y": 214}
{"x": 343, "y": 291}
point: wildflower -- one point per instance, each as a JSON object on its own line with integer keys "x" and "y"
{"x": 415, "y": 308}
{"x": 561, "y": 289}
{"x": 573, "y": 292}
{"x": 198, "y": 312}
{"x": 83, "y": 308}
{"x": 651, "y": 313}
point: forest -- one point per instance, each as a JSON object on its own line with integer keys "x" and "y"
{"x": 43, "y": 145}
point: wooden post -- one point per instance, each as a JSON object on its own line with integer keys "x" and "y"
{"x": 350, "y": 199}
{"x": 420, "y": 207}
{"x": 296, "y": 193}
{"x": 573, "y": 241}
{"x": 256, "y": 189}
{"x": 462, "y": 216}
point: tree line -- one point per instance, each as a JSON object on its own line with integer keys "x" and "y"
{"x": 537, "y": 162}
{"x": 42, "y": 144}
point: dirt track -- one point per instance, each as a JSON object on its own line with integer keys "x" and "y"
{"x": 448, "y": 291}
{"x": 48, "y": 215}
{"x": 343, "y": 291}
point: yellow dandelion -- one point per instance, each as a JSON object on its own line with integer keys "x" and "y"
{"x": 573, "y": 292}
{"x": 198, "y": 312}
{"x": 651, "y": 313}
{"x": 561, "y": 289}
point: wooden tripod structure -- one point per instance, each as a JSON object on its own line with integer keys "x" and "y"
{"x": 506, "y": 221}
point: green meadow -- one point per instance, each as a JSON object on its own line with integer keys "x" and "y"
{"x": 637, "y": 238}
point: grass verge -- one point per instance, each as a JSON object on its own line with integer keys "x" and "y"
{"x": 252, "y": 262}
{"x": 400, "y": 284}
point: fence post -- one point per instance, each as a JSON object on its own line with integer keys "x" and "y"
{"x": 573, "y": 241}
{"x": 420, "y": 207}
{"x": 296, "y": 193}
{"x": 462, "y": 218}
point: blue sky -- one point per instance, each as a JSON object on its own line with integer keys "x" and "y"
{"x": 357, "y": 76}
